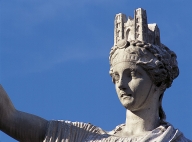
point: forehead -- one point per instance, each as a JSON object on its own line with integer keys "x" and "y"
{"x": 125, "y": 66}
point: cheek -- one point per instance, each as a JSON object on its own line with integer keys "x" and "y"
{"x": 117, "y": 89}
{"x": 142, "y": 87}
{"x": 135, "y": 85}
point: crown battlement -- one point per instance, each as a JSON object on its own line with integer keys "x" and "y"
{"x": 136, "y": 28}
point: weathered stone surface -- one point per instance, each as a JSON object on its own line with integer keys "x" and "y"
{"x": 141, "y": 68}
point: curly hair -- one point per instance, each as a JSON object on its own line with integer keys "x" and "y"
{"x": 162, "y": 72}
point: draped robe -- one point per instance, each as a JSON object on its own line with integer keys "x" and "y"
{"x": 66, "y": 131}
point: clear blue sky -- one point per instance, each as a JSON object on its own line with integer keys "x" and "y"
{"x": 54, "y": 58}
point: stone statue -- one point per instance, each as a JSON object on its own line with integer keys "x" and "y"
{"x": 141, "y": 68}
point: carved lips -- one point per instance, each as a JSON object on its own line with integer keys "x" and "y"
{"x": 124, "y": 95}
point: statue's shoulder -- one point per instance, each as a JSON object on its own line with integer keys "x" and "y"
{"x": 67, "y": 130}
{"x": 117, "y": 129}
{"x": 170, "y": 133}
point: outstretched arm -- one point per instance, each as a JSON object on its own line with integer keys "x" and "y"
{"x": 22, "y": 126}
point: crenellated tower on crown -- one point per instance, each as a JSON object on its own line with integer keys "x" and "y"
{"x": 135, "y": 28}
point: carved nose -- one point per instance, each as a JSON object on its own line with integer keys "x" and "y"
{"x": 121, "y": 85}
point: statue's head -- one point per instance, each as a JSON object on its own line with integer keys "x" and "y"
{"x": 140, "y": 61}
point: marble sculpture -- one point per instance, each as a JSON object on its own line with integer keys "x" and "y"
{"x": 141, "y": 68}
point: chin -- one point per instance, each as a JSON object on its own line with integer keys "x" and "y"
{"x": 128, "y": 104}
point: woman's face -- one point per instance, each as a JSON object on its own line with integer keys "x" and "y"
{"x": 133, "y": 85}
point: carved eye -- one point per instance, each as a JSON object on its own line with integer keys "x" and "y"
{"x": 135, "y": 74}
{"x": 115, "y": 77}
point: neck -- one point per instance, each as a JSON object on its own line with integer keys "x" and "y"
{"x": 141, "y": 122}
{"x": 144, "y": 119}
